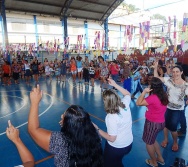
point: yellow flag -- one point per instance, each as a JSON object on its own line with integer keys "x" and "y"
{"x": 175, "y": 48}
{"x": 59, "y": 54}
{"x": 99, "y": 53}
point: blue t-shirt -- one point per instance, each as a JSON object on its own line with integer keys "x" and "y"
{"x": 79, "y": 64}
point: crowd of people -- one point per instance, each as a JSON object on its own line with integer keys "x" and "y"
{"x": 78, "y": 143}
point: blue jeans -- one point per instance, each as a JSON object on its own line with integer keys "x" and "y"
{"x": 183, "y": 122}
{"x": 172, "y": 119}
{"x": 113, "y": 156}
{"x": 114, "y": 77}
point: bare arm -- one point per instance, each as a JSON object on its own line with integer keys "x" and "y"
{"x": 105, "y": 135}
{"x": 39, "y": 135}
{"x": 121, "y": 89}
{"x": 141, "y": 100}
{"x": 26, "y": 156}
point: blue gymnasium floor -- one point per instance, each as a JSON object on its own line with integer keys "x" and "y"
{"x": 14, "y": 106}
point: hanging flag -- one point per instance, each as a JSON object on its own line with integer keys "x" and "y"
{"x": 174, "y": 34}
{"x": 140, "y": 28}
{"x": 169, "y": 24}
{"x": 182, "y": 43}
{"x": 174, "y": 21}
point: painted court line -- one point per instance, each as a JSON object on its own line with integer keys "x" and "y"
{"x": 17, "y": 109}
{"x": 88, "y": 112}
{"x": 81, "y": 87}
{"x": 49, "y": 157}
{"x": 52, "y": 102}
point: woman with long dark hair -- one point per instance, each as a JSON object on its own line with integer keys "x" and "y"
{"x": 156, "y": 104}
{"x": 76, "y": 145}
{"x": 177, "y": 88}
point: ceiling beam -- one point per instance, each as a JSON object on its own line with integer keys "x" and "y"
{"x": 84, "y": 18}
{"x": 94, "y": 3}
{"x": 55, "y": 5}
{"x": 86, "y": 10}
{"x": 40, "y": 3}
{"x": 47, "y": 13}
{"x": 109, "y": 11}
{"x": 32, "y": 11}
{"x": 65, "y": 7}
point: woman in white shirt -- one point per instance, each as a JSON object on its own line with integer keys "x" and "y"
{"x": 119, "y": 126}
{"x": 27, "y": 71}
{"x": 177, "y": 89}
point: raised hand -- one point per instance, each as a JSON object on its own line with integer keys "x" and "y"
{"x": 12, "y": 133}
{"x": 155, "y": 64}
{"x": 36, "y": 95}
{"x": 111, "y": 82}
{"x": 147, "y": 90}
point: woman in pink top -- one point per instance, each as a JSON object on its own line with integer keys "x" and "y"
{"x": 156, "y": 104}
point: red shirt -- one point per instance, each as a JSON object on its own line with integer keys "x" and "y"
{"x": 6, "y": 69}
{"x": 114, "y": 69}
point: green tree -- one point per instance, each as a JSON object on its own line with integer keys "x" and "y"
{"x": 159, "y": 17}
{"x": 129, "y": 7}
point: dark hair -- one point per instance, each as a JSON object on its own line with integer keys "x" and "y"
{"x": 157, "y": 89}
{"x": 164, "y": 69}
{"x": 140, "y": 68}
{"x": 150, "y": 74}
{"x": 100, "y": 57}
{"x": 160, "y": 62}
{"x": 79, "y": 58}
{"x": 112, "y": 101}
{"x": 84, "y": 143}
{"x": 181, "y": 70}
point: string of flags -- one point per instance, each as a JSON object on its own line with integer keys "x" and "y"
{"x": 144, "y": 33}
{"x": 55, "y": 45}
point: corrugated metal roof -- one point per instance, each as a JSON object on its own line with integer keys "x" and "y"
{"x": 97, "y": 10}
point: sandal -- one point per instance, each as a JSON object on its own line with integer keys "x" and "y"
{"x": 149, "y": 163}
{"x": 160, "y": 162}
{"x": 164, "y": 144}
